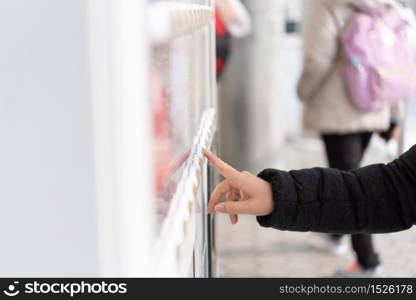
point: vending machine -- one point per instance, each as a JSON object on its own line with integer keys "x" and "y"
{"x": 154, "y": 104}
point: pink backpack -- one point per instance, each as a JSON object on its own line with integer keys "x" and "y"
{"x": 380, "y": 65}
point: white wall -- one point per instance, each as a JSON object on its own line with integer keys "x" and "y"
{"x": 47, "y": 211}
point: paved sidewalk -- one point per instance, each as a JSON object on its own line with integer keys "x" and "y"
{"x": 247, "y": 250}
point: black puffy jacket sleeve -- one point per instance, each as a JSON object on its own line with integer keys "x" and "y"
{"x": 375, "y": 199}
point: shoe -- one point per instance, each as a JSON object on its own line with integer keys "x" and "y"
{"x": 354, "y": 270}
{"x": 335, "y": 246}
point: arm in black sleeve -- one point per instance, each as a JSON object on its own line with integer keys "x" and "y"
{"x": 374, "y": 199}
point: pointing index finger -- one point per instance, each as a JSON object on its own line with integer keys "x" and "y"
{"x": 225, "y": 169}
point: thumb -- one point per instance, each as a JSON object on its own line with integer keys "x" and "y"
{"x": 234, "y": 207}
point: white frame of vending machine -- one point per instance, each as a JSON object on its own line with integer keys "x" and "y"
{"x": 120, "y": 44}
{"x": 122, "y": 135}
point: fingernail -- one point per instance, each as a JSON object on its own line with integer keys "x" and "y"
{"x": 220, "y": 208}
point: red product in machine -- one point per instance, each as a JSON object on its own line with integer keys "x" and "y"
{"x": 161, "y": 132}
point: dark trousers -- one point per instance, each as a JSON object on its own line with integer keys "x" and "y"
{"x": 345, "y": 152}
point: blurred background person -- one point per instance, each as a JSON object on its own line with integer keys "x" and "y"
{"x": 345, "y": 130}
{"x": 231, "y": 21}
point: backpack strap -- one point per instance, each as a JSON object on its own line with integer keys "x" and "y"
{"x": 379, "y": 10}
{"x": 334, "y": 17}
{"x": 354, "y": 7}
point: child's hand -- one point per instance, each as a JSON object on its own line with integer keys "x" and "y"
{"x": 246, "y": 193}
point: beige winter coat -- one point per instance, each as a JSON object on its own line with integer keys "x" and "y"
{"x": 327, "y": 108}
